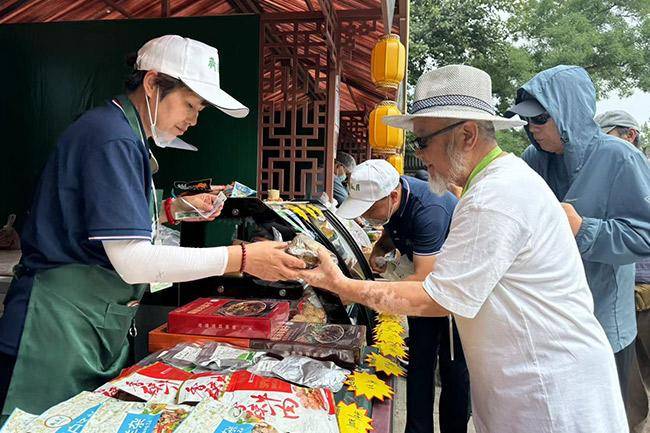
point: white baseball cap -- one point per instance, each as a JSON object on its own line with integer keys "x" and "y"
{"x": 369, "y": 182}
{"x": 195, "y": 64}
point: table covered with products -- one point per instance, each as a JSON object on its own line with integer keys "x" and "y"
{"x": 240, "y": 355}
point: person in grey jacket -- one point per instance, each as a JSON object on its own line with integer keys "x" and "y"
{"x": 604, "y": 188}
{"x": 344, "y": 164}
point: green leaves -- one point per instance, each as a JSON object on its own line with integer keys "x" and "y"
{"x": 513, "y": 40}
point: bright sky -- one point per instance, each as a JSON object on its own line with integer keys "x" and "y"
{"x": 638, "y": 105}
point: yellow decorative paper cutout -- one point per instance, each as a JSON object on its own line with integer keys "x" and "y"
{"x": 390, "y": 337}
{"x": 391, "y": 349}
{"x": 385, "y": 317}
{"x": 389, "y": 327}
{"x": 353, "y": 419}
{"x": 368, "y": 385}
{"x": 385, "y": 365}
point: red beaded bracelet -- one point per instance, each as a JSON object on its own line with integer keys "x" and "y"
{"x": 243, "y": 258}
{"x": 168, "y": 211}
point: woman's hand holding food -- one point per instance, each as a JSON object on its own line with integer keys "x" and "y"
{"x": 269, "y": 261}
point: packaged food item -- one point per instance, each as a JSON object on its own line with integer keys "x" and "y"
{"x": 310, "y": 309}
{"x": 110, "y": 389}
{"x": 207, "y": 417}
{"x": 330, "y": 342}
{"x": 17, "y": 422}
{"x": 273, "y": 405}
{"x": 129, "y": 417}
{"x": 73, "y": 414}
{"x": 197, "y": 213}
{"x": 203, "y": 386}
{"x": 306, "y": 249}
{"x": 254, "y": 404}
{"x": 228, "y": 317}
{"x": 192, "y": 187}
{"x": 159, "y": 382}
{"x": 223, "y": 357}
{"x": 182, "y": 355}
{"x": 160, "y": 339}
{"x": 309, "y": 372}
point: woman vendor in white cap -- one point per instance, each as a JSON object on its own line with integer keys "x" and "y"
{"x": 88, "y": 254}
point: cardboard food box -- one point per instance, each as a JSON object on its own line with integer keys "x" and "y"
{"x": 229, "y": 318}
{"x": 161, "y": 339}
{"x": 338, "y": 343}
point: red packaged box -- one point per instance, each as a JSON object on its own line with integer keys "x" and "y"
{"x": 228, "y": 318}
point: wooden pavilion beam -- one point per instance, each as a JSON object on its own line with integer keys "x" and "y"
{"x": 344, "y": 15}
{"x": 113, "y": 4}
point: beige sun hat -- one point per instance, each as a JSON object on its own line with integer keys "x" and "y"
{"x": 453, "y": 92}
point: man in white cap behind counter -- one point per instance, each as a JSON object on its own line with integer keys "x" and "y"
{"x": 510, "y": 272}
{"x": 416, "y": 222}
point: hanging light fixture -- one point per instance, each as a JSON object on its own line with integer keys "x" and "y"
{"x": 388, "y": 62}
{"x": 383, "y": 137}
{"x": 397, "y": 161}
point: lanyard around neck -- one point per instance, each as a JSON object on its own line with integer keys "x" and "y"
{"x": 487, "y": 160}
{"x": 131, "y": 115}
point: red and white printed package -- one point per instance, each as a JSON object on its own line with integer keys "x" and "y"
{"x": 278, "y": 405}
{"x": 228, "y": 318}
{"x": 203, "y": 386}
{"x": 158, "y": 382}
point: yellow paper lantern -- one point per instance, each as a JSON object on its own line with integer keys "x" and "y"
{"x": 397, "y": 161}
{"x": 383, "y": 137}
{"x": 388, "y": 62}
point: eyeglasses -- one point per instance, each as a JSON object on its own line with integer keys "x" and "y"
{"x": 540, "y": 119}
{"x": 421, "y": 143}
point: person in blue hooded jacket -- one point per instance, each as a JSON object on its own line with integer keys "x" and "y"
{"x": 604, "y": 188}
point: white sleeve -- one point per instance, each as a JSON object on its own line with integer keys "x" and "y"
{"x": 138, "y": 261}
{"x": 481, "y": 246}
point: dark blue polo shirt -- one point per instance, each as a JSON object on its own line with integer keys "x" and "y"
{"x": 95, "y": 186}
{"x": 421, "y": 224}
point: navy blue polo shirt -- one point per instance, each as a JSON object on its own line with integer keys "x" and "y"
{"x": 95, "y": 186}
{"x": 421, "y": 224}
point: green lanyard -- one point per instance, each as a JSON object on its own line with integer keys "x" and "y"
{"x": 487, "y": 160}
{"x": 132, "y": 117}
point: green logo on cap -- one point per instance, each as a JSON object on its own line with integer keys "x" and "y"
{"x": 212, "y": 64}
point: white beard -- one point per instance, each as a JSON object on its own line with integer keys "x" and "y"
{"x": 439, "y": 184}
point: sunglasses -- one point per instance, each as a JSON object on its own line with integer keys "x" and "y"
{"x": 421, "y": 143}
{"x": 540, "y": 119}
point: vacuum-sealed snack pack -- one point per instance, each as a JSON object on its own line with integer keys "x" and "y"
{"x": 129, "y": 417}
{"x": 306, "y": 249}
{"x": 158, "y": 382}
{"x": 224, "y": 357}
{"x": 254, "y": 404}
{"x": 70, "y": 415}
{"x": 17, "y": 422}
{"x": 203, "y": 386}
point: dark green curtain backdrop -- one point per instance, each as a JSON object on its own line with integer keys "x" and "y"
{"x": 53, "y": 72}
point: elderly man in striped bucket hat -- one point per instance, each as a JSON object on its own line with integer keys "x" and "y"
{"x": 510, "y": 272}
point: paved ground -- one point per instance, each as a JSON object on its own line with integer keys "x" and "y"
{"x": 399, "y": 419}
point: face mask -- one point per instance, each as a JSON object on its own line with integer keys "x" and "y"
{"x": 374, "y": 222}
{"x": 161, "y": 138}
{"x": 342, "y": 177}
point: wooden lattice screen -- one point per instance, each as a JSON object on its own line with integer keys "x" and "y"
{"x": 293, "y": 154}
{"x": 353, "y": 136}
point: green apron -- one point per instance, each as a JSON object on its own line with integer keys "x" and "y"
{"x": 76, "y": 329}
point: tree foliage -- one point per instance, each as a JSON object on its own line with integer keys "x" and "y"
{"x": 512, "y": 40}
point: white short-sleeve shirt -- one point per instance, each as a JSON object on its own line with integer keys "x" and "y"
{"x": 511, "y": 274}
